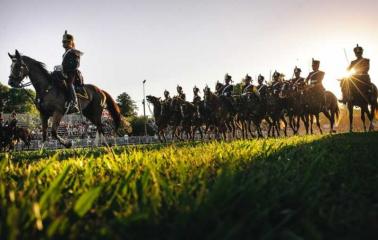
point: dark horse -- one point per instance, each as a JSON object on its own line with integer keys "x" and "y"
{"x": 23, "y": 134}
{"x": 161, "y": 116}
{"x": 356, "y": 96}
{"x": 51, "y": 97}
{"x": 11, "y": 136}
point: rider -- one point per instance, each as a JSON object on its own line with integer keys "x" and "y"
{"x": 360, "y": 71}
{"x": 180, "y": 92}
{"x": 227, "y": 88}
{"x": 12, "y": 122}
{"x": 70, "y": 65}
{"x": 248, "y": 86}
{"x": 298, "y": 80}
{"x": 314, "y": 80}
{"x": 261, "y": 87}
{"x": 196, "y": 97}
{"x": 276, "y": 82}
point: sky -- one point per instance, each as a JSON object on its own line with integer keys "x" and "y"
{"x": 190, "y": 42}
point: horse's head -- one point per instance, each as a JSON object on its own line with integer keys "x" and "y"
{"x": 154, "y": 100}
{"x": 286, "y": 89}
{"x": 19, "y": 70}
{"x": 218, "y": 87}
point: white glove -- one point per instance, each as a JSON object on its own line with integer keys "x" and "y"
{"x": 58, "y": 68}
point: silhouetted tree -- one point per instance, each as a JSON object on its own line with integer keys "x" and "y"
{"x": 127, "y": 105}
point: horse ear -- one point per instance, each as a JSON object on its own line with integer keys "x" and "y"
{"x": 11, "y": 56}
{"x": 18, "y": 55}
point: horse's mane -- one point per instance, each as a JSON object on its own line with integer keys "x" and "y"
{"x": 40, "y": 65}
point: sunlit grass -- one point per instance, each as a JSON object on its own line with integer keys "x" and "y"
{"x": 308, "y": 186}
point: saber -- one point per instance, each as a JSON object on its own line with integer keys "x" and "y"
{"x": 346, "y": 56}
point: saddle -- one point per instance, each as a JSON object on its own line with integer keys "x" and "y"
{"x": 59, "y": 80}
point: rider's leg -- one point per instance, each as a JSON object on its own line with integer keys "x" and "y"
{"x": 73, "y": 99}
{"x": 72, "y": 93}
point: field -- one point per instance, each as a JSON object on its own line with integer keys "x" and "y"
{"x": 311, "y": 187}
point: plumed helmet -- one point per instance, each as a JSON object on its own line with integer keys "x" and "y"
{"x": 247, "y": 78}
{"x": 276, "y": 74}
{"x": 179, "y": 88}
{"x": 260, "y": 78}
{"x": 227, "y": 77}
{"x": 315, "y": 62}
{"x": 297, "y": 70}
{"x": 166, "y": 92}
{"x": 67, "y": 37}
{"x": 195, "y": 89}
{"x": 358, "y": 49}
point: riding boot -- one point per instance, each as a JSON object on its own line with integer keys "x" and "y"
{"x": 73, "y": 106}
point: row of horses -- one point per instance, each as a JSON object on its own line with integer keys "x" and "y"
{"x": 224, "y": 117}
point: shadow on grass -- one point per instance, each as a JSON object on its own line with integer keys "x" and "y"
{"x": 323, "y": 189}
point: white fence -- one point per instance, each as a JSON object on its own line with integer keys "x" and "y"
{"x": 90, "y": 142}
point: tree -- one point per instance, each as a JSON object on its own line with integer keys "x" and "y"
{"x": 19, "y": 100}
{"x": 137, "y": 125}
{"x": 127, "y": 105}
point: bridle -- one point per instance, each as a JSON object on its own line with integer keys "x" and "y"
{"x": 22, "y": 74}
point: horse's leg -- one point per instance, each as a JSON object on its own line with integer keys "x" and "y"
{"x": 318, "y": 123}
{"x": 200, "y": 131}
{"x": 371, "y": 117}
{"x": 285, "y": 123}
{"x": 311, "y": 123}
{"x": 56, "y": 121}
{"x": 44, "y": 120}
{"x": 350, "y": 110}
{"x": 329, "y": 116}
{"x": 363, "y": 111}
{"x": 305, "y": 120}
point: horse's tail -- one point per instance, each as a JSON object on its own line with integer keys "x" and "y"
{"x": 115, "y": 112}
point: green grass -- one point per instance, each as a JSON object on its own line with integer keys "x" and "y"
{"x": 312, "y": 187}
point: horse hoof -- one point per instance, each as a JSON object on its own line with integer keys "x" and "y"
{"x": 68, "y": 144}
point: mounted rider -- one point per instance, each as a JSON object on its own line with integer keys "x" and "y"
{"x": 227, "y": 88}
{"x": 360, "y": 74}
{"x": 180, "y": 93}
{"x": 248, "y": 87}
{"x": 196, "y": 97}
{"x": 276, "y": 82}
{"x": 315, "y": 82}
{"x": 167, "y": 97}
{"x": 298, "y": 81}
{"x": 261, "y": 87}
{"x": 70, "y": 70}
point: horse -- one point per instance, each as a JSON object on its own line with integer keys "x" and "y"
{"x": 250, "y": 109}
{"x": 293, "y": 95}
{"x": 356, "y": 97}
{"x": 160, "y": 115}
{"x": 188, "y": 114}
{"x": 214, "y": 114}
{"x": 228, "y": 106}
{"x": 23, "y": 134}
{"x": 51, "y": 98}
{"x": 275, "y": 107}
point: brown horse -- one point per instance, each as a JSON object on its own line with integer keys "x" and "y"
{"x": 51, "y": 98}
{"x": 23, "y": 134}
{"x": 356, "y": 96}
